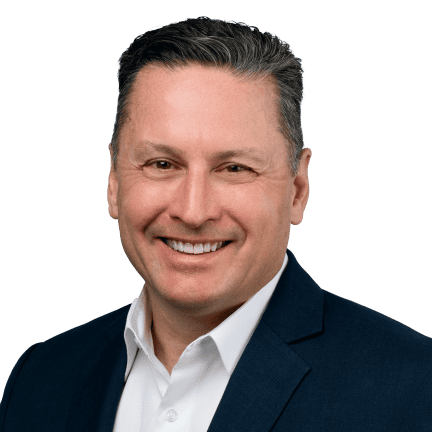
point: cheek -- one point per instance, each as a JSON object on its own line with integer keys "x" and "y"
{"x": 259, "y": 209}
{"x": 140, "y": 203}
{"x": 273, "y": 209}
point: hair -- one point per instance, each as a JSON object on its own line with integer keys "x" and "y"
{"x": 237, "y": 47}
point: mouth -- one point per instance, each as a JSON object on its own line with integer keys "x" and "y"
{"x": 194, "y": 248}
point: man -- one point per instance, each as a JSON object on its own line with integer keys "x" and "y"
{"x": 229, "y": 333}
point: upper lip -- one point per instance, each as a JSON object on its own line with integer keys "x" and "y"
{"x": 195, "y": 241}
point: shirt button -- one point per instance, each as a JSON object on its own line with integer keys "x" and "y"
{"x": 172, "y": 415}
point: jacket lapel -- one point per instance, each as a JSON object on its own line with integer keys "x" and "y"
{"x": 269, "y": 371}
{"x": 261, "y": 385}
{"x": 100, "y": 383}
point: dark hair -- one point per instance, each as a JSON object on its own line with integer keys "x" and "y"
{"x": 243, "y": 50}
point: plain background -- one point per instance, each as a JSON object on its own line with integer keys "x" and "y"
{"x": 366, "y": 115}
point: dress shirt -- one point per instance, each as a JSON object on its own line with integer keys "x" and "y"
{"x": 155, "y": 401}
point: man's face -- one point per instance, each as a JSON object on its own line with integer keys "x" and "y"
{"x": 201, "y": 161}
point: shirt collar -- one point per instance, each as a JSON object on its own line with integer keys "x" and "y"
{"x": 137, "y": 332}
{"x": 230, "y": 337}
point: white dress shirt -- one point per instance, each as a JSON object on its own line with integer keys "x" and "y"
{"x": 155, "y": 401}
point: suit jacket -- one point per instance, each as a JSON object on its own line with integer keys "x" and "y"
{"x": 316, "y": 362}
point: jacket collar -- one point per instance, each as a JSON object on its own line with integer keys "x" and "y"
{"x": 295, "y": 311}
{"x": 100, "y": 383}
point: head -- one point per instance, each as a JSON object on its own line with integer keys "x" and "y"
{"x": 200, "y": 155}
{"x": 243, "y": 50}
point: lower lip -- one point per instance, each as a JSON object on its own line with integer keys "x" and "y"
{"x": 185, "y": 259}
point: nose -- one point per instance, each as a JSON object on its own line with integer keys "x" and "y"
{"x": 195, "y": 201}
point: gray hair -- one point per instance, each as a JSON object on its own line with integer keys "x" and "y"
{"x": 243, "y": 50}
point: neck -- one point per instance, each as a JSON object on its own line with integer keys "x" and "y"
{"x": 173, "y": 330}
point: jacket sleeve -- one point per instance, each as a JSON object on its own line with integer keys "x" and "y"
{"x": 11, "y": 384}
{"x": 418, "y": 417}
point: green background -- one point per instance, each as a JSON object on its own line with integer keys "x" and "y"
{"x": 366, "y": 232}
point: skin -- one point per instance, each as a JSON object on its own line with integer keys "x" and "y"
{"x": 155, "y": 193}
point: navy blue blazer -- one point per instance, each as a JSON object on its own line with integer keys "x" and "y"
{"x": 315, "y": 363}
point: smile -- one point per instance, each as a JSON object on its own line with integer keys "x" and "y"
{"x": 196, "y": 249}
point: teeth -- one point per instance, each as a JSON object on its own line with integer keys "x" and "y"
{"x": 198, "y": 249}
{"x": 193, "y": 249}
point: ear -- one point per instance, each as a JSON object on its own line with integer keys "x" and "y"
{"x": 300, "y": 191}
{"x": 112, "y": 189}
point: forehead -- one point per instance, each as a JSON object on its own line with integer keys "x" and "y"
{"x": 197, "y": 105}
{"x": 208, "y": 88}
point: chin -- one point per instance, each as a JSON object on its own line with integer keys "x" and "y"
{"x": 192, "y": 295}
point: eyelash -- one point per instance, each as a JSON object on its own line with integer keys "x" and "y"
{"x": 228, "y": 166}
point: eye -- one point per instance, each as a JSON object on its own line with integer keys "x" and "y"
{"x": 237, "y": 168}
{"x": 161, "y": 165}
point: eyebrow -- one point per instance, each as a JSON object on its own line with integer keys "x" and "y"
{"x": 147, "y": 146}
